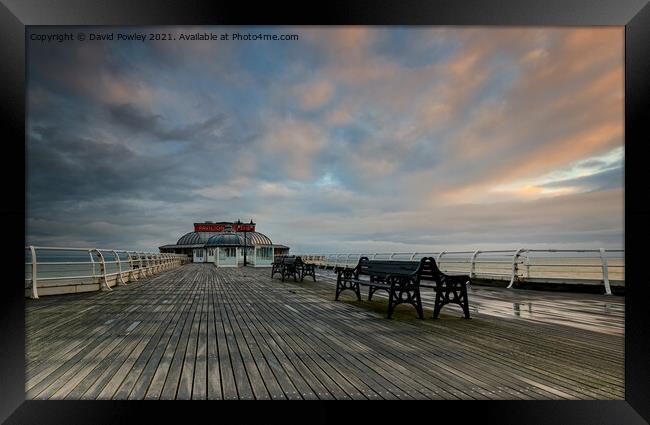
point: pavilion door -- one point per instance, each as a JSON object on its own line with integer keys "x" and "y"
{"x": 227, "y": 257}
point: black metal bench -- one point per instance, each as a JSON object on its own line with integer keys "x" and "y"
{"x": 306, "y": 269}
{"x": 402, "y": 280}
{"x": 290, "y": 265}
{"x": 276, "y": 266}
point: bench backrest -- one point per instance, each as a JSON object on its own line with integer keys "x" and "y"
{"x": 386, "y": 267}
{"x": 290, "y": 259}
{"x": 426, "y": 268}
{"x": 429, "y": 270}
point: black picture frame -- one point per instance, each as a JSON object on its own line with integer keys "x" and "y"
{"x": 15, "y": 15}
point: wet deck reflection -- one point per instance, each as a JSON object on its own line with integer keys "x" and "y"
{"x": 594, "y": 312}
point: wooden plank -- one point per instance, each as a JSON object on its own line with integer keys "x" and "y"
{"x": 244, "y": 390}
{"x": 163, "y": 333}
{"x": 247, "y": 323}
{"x": 154, "y": 323}
{"x": 173, "y": 369}
{"x": 228, "y": 385}
{"x": 199, "y": 384}
{"x": 205, "y": 333}
{"x": 302, "y": 384}
{"x": 157, "y": 382}
{"x": 213, "y": 373}
{"x": 254, "y": 376}
{"x": 184, "y": 391}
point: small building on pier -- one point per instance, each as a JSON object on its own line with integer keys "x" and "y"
{"x": 227, "y": 244}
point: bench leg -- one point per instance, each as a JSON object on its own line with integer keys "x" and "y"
{"x": 438, "y": 304}
{"x": 308, "y": 272}
{"x": 342, "y": 286}
{"x": 452, "y": 295}
{"x": 464, "y": 302}
{"x": 338, "y": 289}
{"x": 345, "y": 280}
{"x": 412, "y": 298}
{"x": 418, "y": 304}
{"x": 391, "y": 305}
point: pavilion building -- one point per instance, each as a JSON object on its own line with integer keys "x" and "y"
{"x": 227, "y": 244}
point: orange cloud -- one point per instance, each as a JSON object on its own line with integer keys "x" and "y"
{"x": 293, "y": 143}
{"x": 316, "y": 94}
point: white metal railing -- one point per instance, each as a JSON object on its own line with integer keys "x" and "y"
{"x": 93, "y": 266}
{"x": 601, "y": 265}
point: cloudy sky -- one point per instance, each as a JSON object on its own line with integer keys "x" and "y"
{"x": 350, "y": 139}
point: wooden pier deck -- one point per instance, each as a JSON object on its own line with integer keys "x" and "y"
{"x": 199, "y": 332}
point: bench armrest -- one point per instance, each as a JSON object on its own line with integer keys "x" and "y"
{"x": 346, "y": 273}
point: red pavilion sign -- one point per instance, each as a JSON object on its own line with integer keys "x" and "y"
{"x": 243, "y": 227}
{"x": 202, "y": 227}
{"x": 224, "y": 227}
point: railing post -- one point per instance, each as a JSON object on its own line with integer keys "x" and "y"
{"x": 34, "y": 274}
{"x": 120, "y": 280}
{"x": 128, "y": 260}
{"x": 92, "y": 261}
{"x": 603, "y": 258}
{"x": 473, "y": 265}
{"x": 132, "y": 274}
{"x": 514, "y": 266}
{"x": 527, "y": 263}
{"x": 438, "y": 258}
{"x": 102, "y": 268}
{"x": 141, "y": 271}
{"x": 144, "y": 264}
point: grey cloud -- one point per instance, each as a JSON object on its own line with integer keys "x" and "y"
{"x": 132, "y": 118}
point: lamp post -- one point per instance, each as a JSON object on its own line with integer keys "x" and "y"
{"x": 246, "y": 228}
